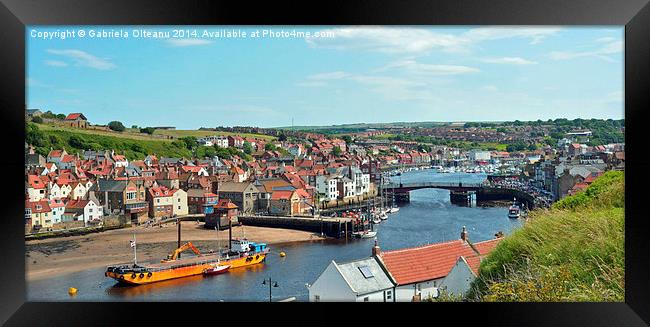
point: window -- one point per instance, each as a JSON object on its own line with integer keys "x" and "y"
{"x": 365, "y": 270}
{"x": 157, "y": 200}
{"x": 366, "y": 299}
{"x": 316, "y": 298}
{"x": 179, "y": 207}
{"x": 389, "y": 295}
{"x": 90, "y": 210}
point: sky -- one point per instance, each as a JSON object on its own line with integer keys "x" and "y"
{"x": 344, "y": 75}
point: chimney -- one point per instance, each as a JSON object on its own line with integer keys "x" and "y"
{"x": 376, "y": 250}
{"x": 463, "y": 234}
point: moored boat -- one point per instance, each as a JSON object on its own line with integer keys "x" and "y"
{"x": 514, "y": 212}
{"x": 216, "y": 270}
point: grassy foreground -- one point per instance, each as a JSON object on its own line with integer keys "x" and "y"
{"x": 572, "y": 252}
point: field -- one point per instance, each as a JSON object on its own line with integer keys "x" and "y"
{"x": 158, "y": 135}
{"x": 199, "y": 133}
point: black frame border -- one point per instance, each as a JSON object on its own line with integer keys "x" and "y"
{"x": 634, "y": 14}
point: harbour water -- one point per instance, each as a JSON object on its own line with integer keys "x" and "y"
{"x": 428, "y": 218}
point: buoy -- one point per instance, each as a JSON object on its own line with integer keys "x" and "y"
{"x": 72, "y": 291}
{"x": 282, "y": 254}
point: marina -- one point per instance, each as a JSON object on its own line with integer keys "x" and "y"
{"x": 429, "y": 217}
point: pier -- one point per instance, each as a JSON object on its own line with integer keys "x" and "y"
{"x": 334, "y": 227}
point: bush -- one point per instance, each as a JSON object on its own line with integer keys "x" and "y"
{"x": 147, "y": 130}
{"x": 116, "y": 126}
{"x": 37, "y": 119}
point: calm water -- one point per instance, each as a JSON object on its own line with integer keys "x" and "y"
{"x": 428, "y": 218}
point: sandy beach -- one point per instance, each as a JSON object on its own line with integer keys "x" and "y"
{"x": 57, "y": 256}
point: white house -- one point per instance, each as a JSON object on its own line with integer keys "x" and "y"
{"x": 461, "y": 276}
{"x": 357, "y": 281}
{"x": 179, "y": 199}
{"x": 58, "y": 208}
{"x": 87, "y": 210}
{"x": 326, "y": 187}
{"x": 79, "y": 191}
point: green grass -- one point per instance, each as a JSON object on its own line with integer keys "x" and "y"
{"x": 200, "y": 133}
{"x": 572, "y": 252}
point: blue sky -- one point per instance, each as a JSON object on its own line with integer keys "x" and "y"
{"x": 350, "y": 75}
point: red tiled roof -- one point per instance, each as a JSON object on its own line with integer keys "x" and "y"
{"x": 35, "y": 181}
{"x": 486, "y": 247}
{"x": 74, "y": 116}
{"x": 424, "y": 263}
{"x": 45, "y": 206}
{"x": 76, "y": 204}
{"x": 474, "y": 263}
{"x": 278, "y": 195}
{"x": 55, "y": 153}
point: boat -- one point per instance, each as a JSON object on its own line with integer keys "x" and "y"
{"x": 366, "y": 234}
{"x": 376, "y": 220}
{"x": 514, "y": 212}
{"x": 383, "y": 216}
{"x": 216, "y": 270}
{"x": 241, "y": 253}
{"x": 394, "y": 209}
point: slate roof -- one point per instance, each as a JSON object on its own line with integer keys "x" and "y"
{"x": 104, "y": 185}
{"x": 358, "y": 282}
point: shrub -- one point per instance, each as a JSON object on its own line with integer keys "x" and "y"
{"x": 116, "y": 126}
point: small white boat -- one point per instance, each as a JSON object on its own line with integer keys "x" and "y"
{"x": 383, "y": 216}
{"x": 376, "y": 220}
{"x": 216, "y": 270}
{"x": 514, "y": 212}
{"x": 394, "y": 209}
{"x": 366, "y": 234}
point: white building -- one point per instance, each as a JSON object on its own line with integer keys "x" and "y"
{"x": 476, "y": 155}
{"x": 461, "y": 276}
{"x": 357, "y": 281}
{"x": 326, "y": 187}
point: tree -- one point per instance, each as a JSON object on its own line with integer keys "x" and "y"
{"x": 116, "y": 126}
{"x": 147, "y": 130}
{"x": 60, "y": 116}
{"x": 37, "y": 119}
{"x": 347, "y": 139}
{"x": 270, "y": 147}
{"x": 134, "y": 126}
{"x": 190, "y": 142}
{"x": 337, "y": 151}
{"x": 282, "y": 137}
{"x": 248, "y": 148}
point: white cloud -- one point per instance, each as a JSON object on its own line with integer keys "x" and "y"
{"x": 609, "y": 47}
{"x": 418, "y": 41}
{"x": 535, "y": 34}
{"x": 509, "y": 60}
{"x": 55, "y": 63}
{"x": 328, "y": 76}
{"x": 187, "y": 42}
{"x": 414, "y": 67}
{"x": 82, "y": 58}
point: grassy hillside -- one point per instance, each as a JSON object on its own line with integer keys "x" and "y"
{"x": 77, "y": 140}
{"x": 572, "y": 252}
{"x": 200, "y": 133}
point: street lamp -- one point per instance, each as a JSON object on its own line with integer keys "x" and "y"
{"x": 270, "y": 284}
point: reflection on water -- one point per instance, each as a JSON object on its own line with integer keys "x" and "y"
{"x": 428, "y": 218}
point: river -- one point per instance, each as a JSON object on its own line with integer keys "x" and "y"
{"x": 428, "y": 218}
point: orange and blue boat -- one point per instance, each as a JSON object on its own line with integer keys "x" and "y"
{"x": 241, "y": 253}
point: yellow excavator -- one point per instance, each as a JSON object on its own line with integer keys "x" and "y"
{"x": 186, "y": 246}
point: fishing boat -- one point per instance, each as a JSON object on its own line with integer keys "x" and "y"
{"x": 216, "y": 270}
{"x": 241, "y": 253}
